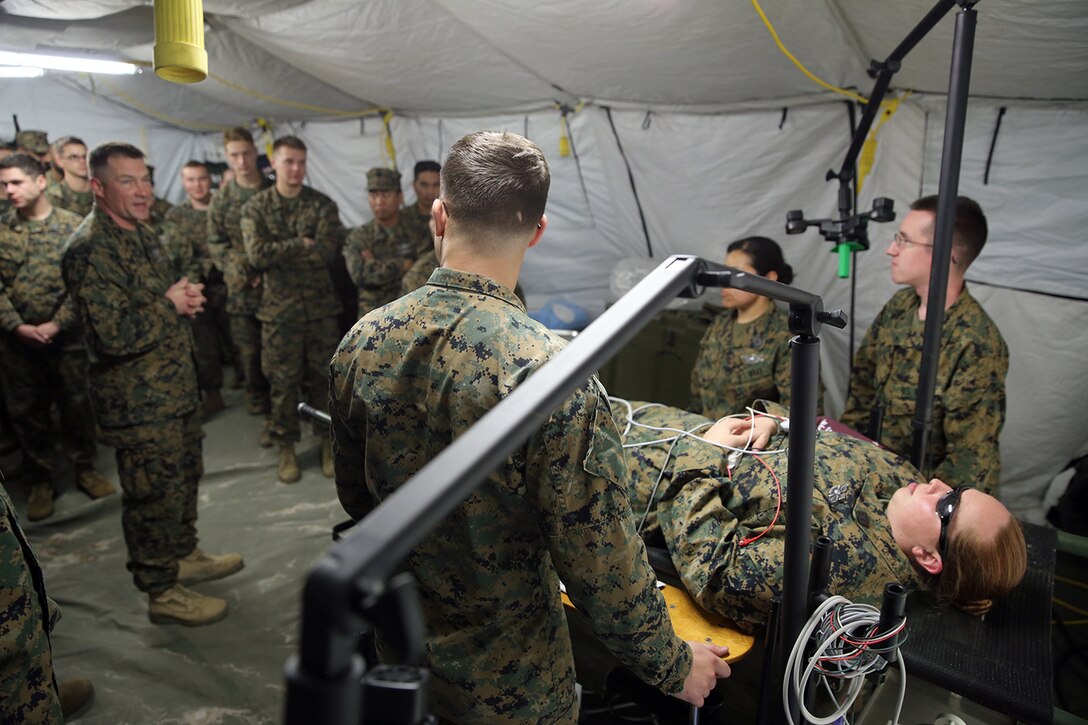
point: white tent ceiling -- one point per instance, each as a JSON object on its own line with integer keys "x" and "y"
{"x": 468, "y": 56}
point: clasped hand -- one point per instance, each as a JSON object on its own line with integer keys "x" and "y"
{"x": 37, "y": 335}
{"x": 188, "y": 297}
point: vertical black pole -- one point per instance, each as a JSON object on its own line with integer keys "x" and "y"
{"x": 770, "y": 710}
{"x": 959, "y": 83}
{"x": 804, "y": 381}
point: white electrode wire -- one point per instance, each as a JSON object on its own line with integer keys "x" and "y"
{"x": 630, "y": 413}
{"x": 853, "y": 615}
{"x": 688, "y": 433}
{"x": 672, "y": 441}
{"x": 653, "y": 491}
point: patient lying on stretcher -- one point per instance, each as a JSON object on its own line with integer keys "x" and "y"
{"x": 723, "y": 520}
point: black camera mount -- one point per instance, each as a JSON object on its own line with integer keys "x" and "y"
{"x": 849, "y": 233}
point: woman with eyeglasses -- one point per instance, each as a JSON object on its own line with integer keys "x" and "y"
{"x": 744, "y": 354}
{"x": 722, "y": 519}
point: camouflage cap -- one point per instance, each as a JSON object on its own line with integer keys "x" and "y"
{"x": 35, "y": 141}
{"x": 382, "y": 179}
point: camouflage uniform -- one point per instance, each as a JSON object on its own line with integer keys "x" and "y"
{"x": 739, "y": 363}
{"x": 159, "y": 208}
{"x": 229, "y": 254}
{"x": 969, "y": 398}
{"x": 185, "y": 236}
{"x": 706, "y": 518}
{"x": 32, "y": 292}
{"x": 418, "y": 274}
{"x": 64, "y": 197}
{"x": 405, "y": 382}
{"x": 299, "y": 307}
{"x": 7, "y": 433}
{"x": 143, "y": 385}
{"x": 36, "y": 142}
{"x": 28, "y": 691}
{"x": 379, "y": 280}
{"x": 177, "y": 248}
{"x": 412, "y": 217}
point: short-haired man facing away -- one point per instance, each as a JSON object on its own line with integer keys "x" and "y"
{"x": 412, "y": 376}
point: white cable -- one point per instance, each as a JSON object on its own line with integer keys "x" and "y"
{"x": 653, "y": 491}
{"x": 632, "y": 412}
{"x": 861, "y": 660}
{"x": 672, "y": 441}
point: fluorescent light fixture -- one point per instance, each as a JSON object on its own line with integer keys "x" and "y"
{"x": 63, "y": 62}
{"x": 21, "y": 72}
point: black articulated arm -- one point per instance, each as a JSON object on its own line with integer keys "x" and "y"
{"x": 344, "y": 587}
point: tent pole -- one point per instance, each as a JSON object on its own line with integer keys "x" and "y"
{"x": 951, "y": 156}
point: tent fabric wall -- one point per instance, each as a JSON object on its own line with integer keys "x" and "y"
{"x": 703, "y": 180}
{"x": 1036, "y": 196}
{"x": 1047, "y": 391}
{"x": 62, "y": 110}
{"x": 689, "y": 121}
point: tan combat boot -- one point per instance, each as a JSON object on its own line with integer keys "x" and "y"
{"x": 327, "y": 468}
{"x": 178, "y": 605}
{"x": 75, "y": 695}
{"x": 200, "y": 567}
{"x": 287, "y": 471}
{"x": 213, "y": 403}
{"x": 40, "y": 504}
{"x": 93, "y": 483}
{"x": 258, "y": 406}
{"x": 265, "y": 439}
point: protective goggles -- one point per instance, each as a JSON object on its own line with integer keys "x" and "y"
{"x": 946, "y": 506}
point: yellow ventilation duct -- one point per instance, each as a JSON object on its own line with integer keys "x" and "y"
{"x": 179, "y": 41}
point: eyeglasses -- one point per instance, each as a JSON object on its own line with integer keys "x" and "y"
{"x": 946, "y": 506}
{"x": 899, "y": 241}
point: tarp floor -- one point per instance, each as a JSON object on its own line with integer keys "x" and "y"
{"x": 225, "y": 673}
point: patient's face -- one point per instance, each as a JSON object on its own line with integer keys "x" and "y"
{"x": 912, "y": 514}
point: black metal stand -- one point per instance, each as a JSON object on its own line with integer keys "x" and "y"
{"x": 850, "y": 235}
{"x": 805, "y": 355}
{"x": 343, "y": 588}
{"x": 959, "y": 83}
{"x": 849, "y": 231}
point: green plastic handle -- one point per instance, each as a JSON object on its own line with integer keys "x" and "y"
{"x": 844, "y": 251}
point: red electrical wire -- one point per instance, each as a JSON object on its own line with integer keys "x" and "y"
{"x": 777, "y": 510}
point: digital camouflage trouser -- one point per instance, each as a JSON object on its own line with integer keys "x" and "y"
{"x": 33, "y": 379}
{"x": 160, "y": 465}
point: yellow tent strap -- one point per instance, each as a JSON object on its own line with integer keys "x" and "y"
{"x": 868, "y": 149}
{"x": 774, "y": 34}
{"x": 387, "y": 133}
{"x": 564, "y": 126}
{"x": 292, "y": 104}
{"x": 132, "y": 102}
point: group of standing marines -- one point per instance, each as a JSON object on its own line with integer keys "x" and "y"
{"x": 100, "y": 306}
{"x": 419, "y": 368}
